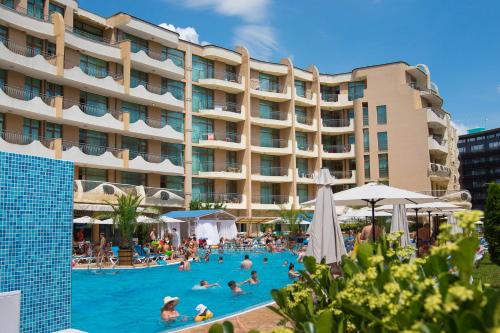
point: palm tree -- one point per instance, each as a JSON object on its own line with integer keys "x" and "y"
{"x": 292, "y": 218}
{"x": 124, "y": 215}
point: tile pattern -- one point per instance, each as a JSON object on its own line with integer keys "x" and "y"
{"x": 36, "y": 218}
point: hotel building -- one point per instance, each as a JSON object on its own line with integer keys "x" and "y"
{"x": 139, "y": 110}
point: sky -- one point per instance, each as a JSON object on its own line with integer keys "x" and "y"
{"x": 458, "y": 39}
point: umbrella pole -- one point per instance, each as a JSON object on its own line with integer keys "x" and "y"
{"x": 373, "y": 219}
{"x": 430, "y": 221}
{"x": 416, "y": 222}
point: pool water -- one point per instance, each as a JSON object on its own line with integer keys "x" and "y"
{"x": 130, "y": 300}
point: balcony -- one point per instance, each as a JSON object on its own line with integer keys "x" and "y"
{"x": 436, "y": 118}
{"x": 269, "y": 92}
{"x": 305, "y": 176}
{"x": 219, "y": 140}
{"x": 272, "y": 174}
{"x": 99, "y": 192}
{"x": 94, "y": 156}
{"x": 335, "y": 101}
{"x": 344, "y": 177}
{"x": 157, "y": 62}
{"x": 271, "y": 202}
{"x": 228, "y": 111}
{"x": 27, "y": 60}
{"x": 338, "y": 152}
{"x": 98, "y": 80}
{"x": 274, "y": 119}
{"x": 306, "y": 124}
{"x": 438, "y": 145}
{"x": 226, "y": 81}
{"x": 18, "y": 143}
{"x": 429, "y": 94}
{"x": 337, "y": 126}
{"x": 147, "y": 94}
{"x": 26, "y": 103}
{"x": 31, "y": 18}
{"x": 95, "y": 46}
{"x": 220, "y": 54}
{"x": 438, "y": 172}
{"x": 156, "y": 129}
{"x": 308, "y": 99}
{"x": 306, "y": 149}
{"x": 225, "y": 170}
{"x": 272, "y": 146}
{"x": 93, "y": 117}
{"x": 161, "y": 164}
{"x": 230, "y": 200}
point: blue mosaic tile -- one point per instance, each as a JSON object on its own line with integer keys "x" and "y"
{"x": 36, "y": 220}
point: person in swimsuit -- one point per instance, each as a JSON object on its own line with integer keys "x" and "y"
{"x": 367, "y": 235}
{"x": 102, "y": 255}
{"x": 234, "y": 287}
{"x": 206, "y": 285}
{"x": 246, "y": 263}
{"x": 168, "y": 311}
{"x": 292, "y": 274}
{"x": 254, "y": 279}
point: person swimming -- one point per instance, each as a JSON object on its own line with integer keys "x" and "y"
{"x": 265, "y": 260}
{"x": 285, "y": 263}
{"x": 234, "y": 287}
{"x": 185, "y": 265}
{"x": 292, "y": 274}
{"x": 253, "y": 279}
{"x": 202, "y": 313}
{"x": 221, "y": 260}
{"x": 206, "y": 285}
{"x": 246, "y": 263}
{"x": 168, "y": 311}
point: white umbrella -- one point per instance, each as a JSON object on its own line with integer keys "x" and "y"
{"x": 361, "y": 213}
{"x": 107, "y": 221}
{"x": 304, "y": 222}
{"x": 326, "y": 239}
{"x": 146, "y": 219}
{"x": 400, "y": 223}
{"x": 84, "y": 220}
{"x": 379, "y": 194}
{"x": 166, "y": 219}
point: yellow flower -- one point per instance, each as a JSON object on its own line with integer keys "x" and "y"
{"x": 460, "y": 293}
{"x": 433, "y": 303}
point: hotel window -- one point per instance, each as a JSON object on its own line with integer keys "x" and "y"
{"x": 269, "y": 82}
{"x": 270, "y": 165}
{"x": 300, "y": 88}
{"x": 7, "y": 3}
{"x": 350, "y": 139}
{"x": 232, "y": 190}
{"x": 366, "y": 140}
{"x": 34, "y": 46}
{"x": 366, "y": 160}
{"x": 269, "y": 193}
{"x": 133, "y": 178}
{"x": 92, "y": 104}
{"x": 173, "y": 119}
{"x": 138, "y": 78}
{"x": 176, "y": 88}
{"x": 177, "y": 56}
{"x": 53, "y": 89}
{"x": 52, "y": 131}
{"x": 32, "y": 88}
{"x": 53, "y": 8}
{"x": 88, "y": 31}
{"x": 382, "y": 141}
{"x": 136, "y": 111}
{"x": 4, "y": 34}
{"x": 135, "y": 146}
{"x": 3, "y": 78}
{"x": 301, "y": 115}
{"x": 330, "y": 93}
{"x": 356, "y": 90}
{"x": 92, "y": 174}
{"x": 202, "y": 128}
{"x": 231, "y": 132}
{"x": 231, "y": 104}
{"x": 175, "y": 183}
{"x": 383, "y": 166}
{"x": 269, "y": 137}
{"x": 269, "y": 110}
{"x": 301, "y": 139}
{"x": 35, "y": 9}
{"x": 137, "y": 44}
{"x": 174, "y": 152}
{"x": 230, "y": 73}
{"x": 93, "y": 142}
{"x": 203, "y": 189}
{"x": 352, "y": 164}
{"x": 202, "y": 68}
{"x": 381, "y": 114}
{"x": 31, "y": 129}
{"x": 350, "y": 114}
{"x": 365, "y": 114}
{"x": 203, "y": 99}
{"x": 51, "y": 49}
{"x": 93, "y": 66}
{"x": 303, "y": 192}
{"x": 2, "y": 122}
{"x": 302, "y": 167}
{"x": 231, "y": 159}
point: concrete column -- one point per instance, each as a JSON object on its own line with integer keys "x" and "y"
{"x": 315, "y": 88}
{"x": 59, "y": 30}
{"x": 125, "y": 54}
{"x": 188, "y": 128}
{"x": 58, "y": 104}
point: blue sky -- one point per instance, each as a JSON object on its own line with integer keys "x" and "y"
{"x": 458, "y": 39}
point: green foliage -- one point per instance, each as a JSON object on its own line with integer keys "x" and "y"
{"x": 492, "y": 222}
{"x": 199, "y": 205}
{"x": 292, "y": 218}
{"x": 142, "y": 233}
{"x": 124, "y": 215}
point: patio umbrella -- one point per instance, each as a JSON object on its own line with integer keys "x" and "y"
{"x": 363, "y": 212}
{"x": 326, "y": 237}
{"x": 146, "y": 219}
{"x": 400, "y": 223}
{"x": 455, "y": 229}
{"x": 379, "y": 194}
{"x": 84, "y": 220}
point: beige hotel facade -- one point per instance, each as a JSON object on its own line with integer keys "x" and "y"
{"x": 140, "y": 111}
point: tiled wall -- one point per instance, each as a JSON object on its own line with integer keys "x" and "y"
{"x": 36, "y": 216}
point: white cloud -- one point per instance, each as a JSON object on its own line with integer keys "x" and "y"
{"x": 188, "y": 33}
{"x": 461, "y": 128}
{"x": 249, "y": 10}
{"x": 259, "y": 40}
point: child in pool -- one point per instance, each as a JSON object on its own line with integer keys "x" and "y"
{"x": 203, "y": 313}
{"x": 234, "y": 287}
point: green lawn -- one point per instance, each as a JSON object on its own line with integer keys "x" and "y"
{"x": 488, "y": 272}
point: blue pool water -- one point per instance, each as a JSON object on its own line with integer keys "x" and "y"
{"x": 130, "y": 300}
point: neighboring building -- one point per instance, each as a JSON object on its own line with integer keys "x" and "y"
{"x": 479, "y": 163}
{"x": 130, "y": 103}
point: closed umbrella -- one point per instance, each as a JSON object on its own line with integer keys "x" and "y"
{"x": 84, "y": 220}
{"x": 455, "y": 229}
{"x": 400, "y": 223}
{"x": 326, "y": 239}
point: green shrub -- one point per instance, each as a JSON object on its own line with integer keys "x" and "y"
{"x": 492, "y": 222}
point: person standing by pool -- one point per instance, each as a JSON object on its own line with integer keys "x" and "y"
{"x": 152, "y": 235}
{"x": 254, "y": 279}
{"x": 168, "y": 311}
{"x": 175, "y": 239}
{"x": 102, "y": 253}
{"x": 246, "y": 263}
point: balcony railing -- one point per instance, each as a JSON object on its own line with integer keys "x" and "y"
{"x": 91, "y": 37}
{"x": 274, "y": 115}
{"x": 218, "y": 197}
{"x": 210, "y": 105}
{"x": 25, "y": 50}
{"x": 270, "y": 143}
{"x": 220, "y": 136}
{"x": 25, "y": 139}
{"x": 220, "y": 167}
{"x": 218, "y": 75}
{"x": 336, "y": 149}
{"x": 329, "y": 97}
{"x": 439, "y": 139}
{"x": 267, "y": 86}
{"x": 97, "y": 72}
{"x": 160, "y": 56}
{"x": 33, "y": 11}
{"x": 346, "y": 174}
{"x": 304, "y": 93}
{"x": 90, "y": 149}
{"x": 177, "y": 92}
{"x": 270, "y": 171}
{"x": 305, "y": 146}
{"x": 26, "y": 94}
{"x": 336, "y": 122}
{"x": 152, "y": 158}
{"x": 438, "y": 113}
{"x": 271, "y": 199}
{"x": 439, "y": 170}
{"x": 454, "y": 195}
{"x": 302, "y": 119}
{"x": 92, "y": 110}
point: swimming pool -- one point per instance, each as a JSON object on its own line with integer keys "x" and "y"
{"x": 130, "y": 300}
